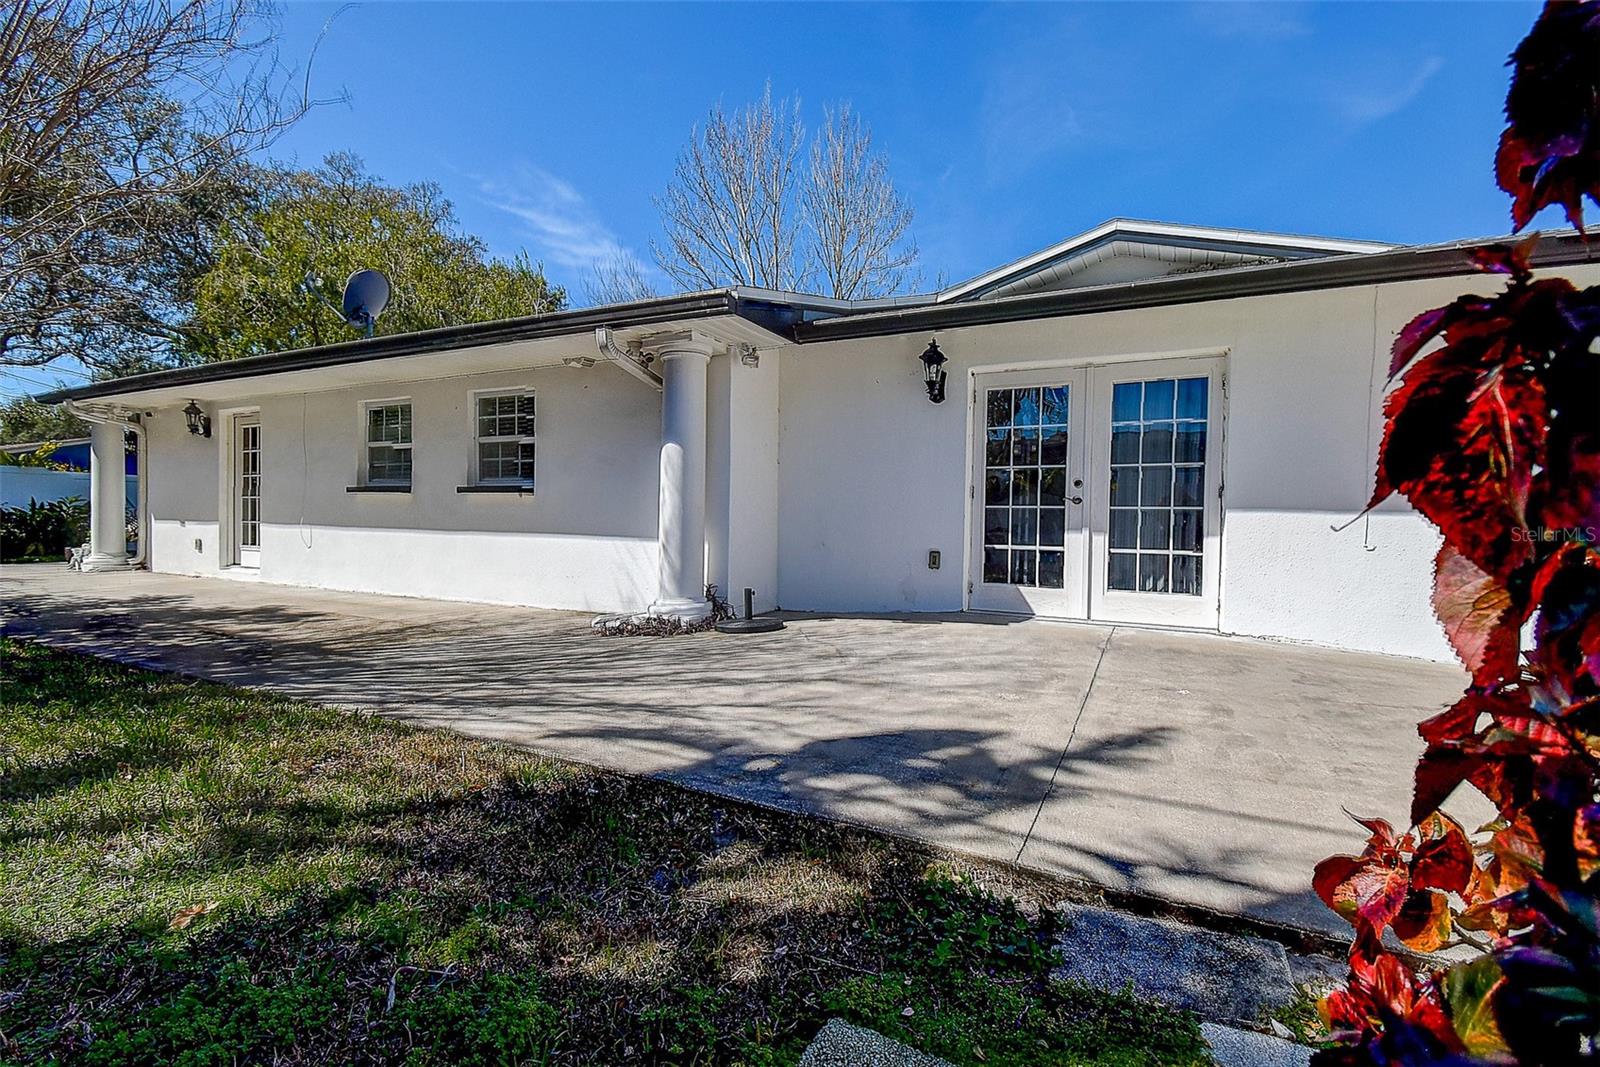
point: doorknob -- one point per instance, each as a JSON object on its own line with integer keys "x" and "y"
{"x": 1076, "y": 499}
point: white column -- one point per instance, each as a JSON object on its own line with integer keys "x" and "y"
{"x": 682, "y": 525}
{"x": 108, "y": 499}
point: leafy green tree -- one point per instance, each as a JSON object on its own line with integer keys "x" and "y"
{"x": 284, "y": 260}
{"x": 24, "y": 420}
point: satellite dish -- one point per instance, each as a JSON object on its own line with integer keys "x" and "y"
{"x": 366, "y": 293}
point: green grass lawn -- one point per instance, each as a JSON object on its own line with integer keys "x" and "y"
{"x": 192, "y": 874}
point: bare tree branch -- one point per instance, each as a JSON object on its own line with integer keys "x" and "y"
{"x": 737, "y": 212}
{"x": 729, "y": 212}
{"x": 618, "y": 279}
{"x": 124, "y": 128}
{"x": 856, "y": 221}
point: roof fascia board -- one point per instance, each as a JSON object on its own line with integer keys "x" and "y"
{"x": 1330, "y": 272}
{"x": 475, "y": 335}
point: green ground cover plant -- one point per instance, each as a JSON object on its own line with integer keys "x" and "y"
{"x": 193, "y": 874}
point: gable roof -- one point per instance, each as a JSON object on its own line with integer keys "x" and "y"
{"x": 1165, "y": 247}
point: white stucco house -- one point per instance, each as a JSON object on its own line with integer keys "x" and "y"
{"x": 1147, "y": 424}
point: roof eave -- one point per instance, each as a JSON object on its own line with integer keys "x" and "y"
{"x": 1122, "y": 228}
{"x": 474, "y": 335}
{"x": 1364, "y": 268}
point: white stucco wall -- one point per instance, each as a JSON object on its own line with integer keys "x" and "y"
{"x": 586, "y": 540}
{"x": 872, "y": 475}
{"x": 830, "y": 476}
{"x": 742, "y": 479}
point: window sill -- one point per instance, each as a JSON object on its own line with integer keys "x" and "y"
{"x": 521, "y": 490}
{"x": 377, "y": 489}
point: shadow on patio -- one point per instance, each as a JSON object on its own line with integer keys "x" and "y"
{"x": 1204, "y": 770}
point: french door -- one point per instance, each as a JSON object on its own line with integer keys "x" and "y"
{"x": 1029, "y": 538}
{"x": 1155, "y": 531}
{"x": 247, "y": 491}
{"x": 1097, "y": 492}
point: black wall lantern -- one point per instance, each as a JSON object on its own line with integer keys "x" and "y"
{"x": 199, "y": 421}
{"x": 933, "y": 375}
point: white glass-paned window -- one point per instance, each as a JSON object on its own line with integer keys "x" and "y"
{"x": 1158, "y": 478}
{"x": 389, "y": 444}
{"x": 505, "y": 429}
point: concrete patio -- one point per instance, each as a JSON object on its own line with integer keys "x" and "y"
{"x": 1205, "y": 770}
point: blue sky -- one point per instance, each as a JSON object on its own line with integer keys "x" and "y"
{"x": 1007, "y": 127}
{"x": 551, "y": 126}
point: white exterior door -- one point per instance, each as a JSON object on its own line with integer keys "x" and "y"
{"x": 1029, "y": 551}
{"x": 1097, "y": 492}
{"x": 247, "y": 491}
{"x": 1156, "y": 458}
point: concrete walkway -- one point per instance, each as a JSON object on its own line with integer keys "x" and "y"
{"x": 1202, "y": 769}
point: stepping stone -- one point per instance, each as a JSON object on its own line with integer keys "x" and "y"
{"x": 1242, "y": 1048}
{"x": 841, "y": 1045}
{"x": 1220, "y": 977}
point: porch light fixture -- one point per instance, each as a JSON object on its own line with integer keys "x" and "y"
{"x": 199, "y": 421}
{"x": 933, "y": 374}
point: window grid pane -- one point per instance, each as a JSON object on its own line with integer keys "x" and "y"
{"x": 250, "y": 486}
{"x": 1157, "y": 494}
{"x": 505, "y": 431}
{"x": 1025, "y": 486}
{"x": 389, "y": 424}
{"x": 389, "y": 444}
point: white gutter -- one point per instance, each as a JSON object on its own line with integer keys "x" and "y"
{"x": 628, "y": 361}
{"x": 141, "y": 507}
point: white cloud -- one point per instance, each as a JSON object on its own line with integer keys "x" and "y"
{"x": 1361, "y": 105}
{"x": 561, "y": 226}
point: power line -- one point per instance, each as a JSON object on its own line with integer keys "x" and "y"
{"x": 51, "y": 368}
{"x": 34, "y": 381}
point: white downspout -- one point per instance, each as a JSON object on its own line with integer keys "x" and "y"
{"x": 628, "y": 361}
{"x": 141, "y": 459}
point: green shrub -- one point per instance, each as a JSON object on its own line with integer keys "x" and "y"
{"x": 43, "y": 531}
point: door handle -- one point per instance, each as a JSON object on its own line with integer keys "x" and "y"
{"x": 1076, "y": 499}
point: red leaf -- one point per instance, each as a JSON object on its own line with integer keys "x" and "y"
{"x": 1423, "y": 923}
{"x": 1330, "y": 880}
{"x": 1477, "y": 613}
{"x": 1459, "y": 722}
{"x": 1380, "y": 892}
{"x": 1439, "y": 772}
{"x": 1363, "y": 890}
{"x": 1416, "y": 333}
{"x": 1464, "y": 435}
{"x": 1567, "y": 629}
{"x": 1443, "y": 859}
{"x": 1518, "y": 849}
{"x": 1380, "y": 834}
{"x": 1549, "y": 149}
{"x": 1507, "y": 259}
